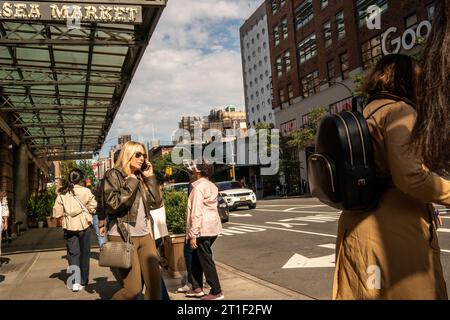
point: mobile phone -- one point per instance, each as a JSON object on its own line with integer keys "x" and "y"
{"x": 144, "y": 166}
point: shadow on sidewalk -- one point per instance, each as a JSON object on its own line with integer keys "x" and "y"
{"x": 4, "y": 261}
{"x": 2, "y": 278}
{"x": 101, "y": 286}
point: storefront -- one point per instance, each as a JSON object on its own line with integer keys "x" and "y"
{"x": 65, "y": 68}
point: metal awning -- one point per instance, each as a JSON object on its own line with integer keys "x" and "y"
{"x": 65, "y": 69}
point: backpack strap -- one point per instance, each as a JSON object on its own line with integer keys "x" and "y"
{"x": 379, "y": 108}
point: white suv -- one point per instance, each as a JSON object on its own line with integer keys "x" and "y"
{"x": 236, "y": 196}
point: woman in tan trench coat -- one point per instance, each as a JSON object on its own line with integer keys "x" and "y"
{"x": 393, "y": 251}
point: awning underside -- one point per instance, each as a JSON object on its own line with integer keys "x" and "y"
{"x": 62, "y": 87}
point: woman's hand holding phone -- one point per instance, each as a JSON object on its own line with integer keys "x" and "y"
{"x": 147, "y": 169}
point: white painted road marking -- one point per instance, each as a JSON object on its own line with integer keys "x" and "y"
{"x": 322, "y": 212}
{"x": 240, "y": 230}
{"x": 328, "y": 246}
{"x": 290, "y": 230}
{"x": 238, "y": 215}
{"x": 299, "y": 261}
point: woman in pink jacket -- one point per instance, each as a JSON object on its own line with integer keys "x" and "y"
{"x": 202, "y": 228}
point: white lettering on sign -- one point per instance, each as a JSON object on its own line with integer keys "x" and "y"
{"x": 408, "y": 40}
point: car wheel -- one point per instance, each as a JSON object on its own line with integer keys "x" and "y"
{"x": 252, "y": 206}
{"x": 226, "y": 216}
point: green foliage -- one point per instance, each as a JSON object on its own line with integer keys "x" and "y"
{"x": 175, "y": 203}
{"x": 86, "y": 167}
{"x": 305, "y": 137}
{"x": 66, "y": 167}
{"x": 159, "y": 167}
{"x": 41, "y": 205}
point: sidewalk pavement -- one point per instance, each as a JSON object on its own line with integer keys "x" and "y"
{"x": 34, "y": 268}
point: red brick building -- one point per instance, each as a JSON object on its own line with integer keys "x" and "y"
{"x": 317, "y": 46}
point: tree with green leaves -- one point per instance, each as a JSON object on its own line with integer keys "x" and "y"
{"x": 66, "y": 167}
{"x": 160, "y": 165}
{"x": 88, "y": 171}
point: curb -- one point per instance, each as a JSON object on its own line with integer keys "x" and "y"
{"x": 285, "y": 291}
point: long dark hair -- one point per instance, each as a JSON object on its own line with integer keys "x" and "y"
{"x": 431, "y": 134}
{"x": 75, "y": 177}
{"x": 394, "y": 74}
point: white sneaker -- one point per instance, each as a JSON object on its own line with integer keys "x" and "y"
{"x": 185, "y": 288}
{"x": 77, "y": 287}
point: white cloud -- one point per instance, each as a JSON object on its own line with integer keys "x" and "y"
{"x": 187, "y": 69}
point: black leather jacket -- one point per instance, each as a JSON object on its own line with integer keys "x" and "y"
{"x": 121, "y": 195}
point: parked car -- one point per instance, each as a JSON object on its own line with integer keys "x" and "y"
{"x": 224, "y": 211}
{"x": 235, "y": 195}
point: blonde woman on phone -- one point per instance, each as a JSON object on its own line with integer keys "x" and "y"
{"x": 130, "y": 192}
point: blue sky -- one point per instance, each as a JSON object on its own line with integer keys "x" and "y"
{"x": 192, "y": 64}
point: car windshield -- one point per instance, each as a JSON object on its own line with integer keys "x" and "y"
{"x": 222, "y": 186}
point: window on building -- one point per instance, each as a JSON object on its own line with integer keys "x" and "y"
{"x": 251, "y": 84}
{"x": 362, "y": 5}
{"x": 340, "y": 22}
{"x": 253, "y": 40}
{"x": 267, "y": 73}
{"x": 256, "y": 80}
{"x": 264, "y": 118}
{"x": 254, "y": 67}
{"x": 430, "y": 10}
{"x": 264, "y": 45}
{"x": 279, "y": 67}
{"x": 323, "y": 3}
{"x": 282, "y": 96}
{"x": 327, "y": 33}
{"x": 266, "y": 59}
{"x": 263, "y": 104}
{"x": 260, "y": 63}
{"x": 250, "y": 71}
{"x": 290, "y": 91}
{"x": 257, "y": 107}
{"x": 259, "y": 120}
{"x": 307, "y": 48}
{"x": 261, "y": 77}
{"x": 331, "y": 72}
{"x": 303, "y": 14}
{"x": 251, "y": 97}
{"x": 411, "y": 21}
{"x": 345, "y": 66}
{"x": 274, "y": 7}
{"x": 254, "y": 123}
{"x": 284, "y": 28}
{"x": 249, "y": 58}
{"x": 254, "y": 54}
{"x": 371, "y": 52}
{"x": 259, "y": 49}
{"x": 263, "y": 31}
{"x": 287, "y": 60}
{"x": 276, "y": 35}
{"x": 311, "y": 84}
{"x": 257, "y": 36}
{"x": 270, "y": 115}
{"x": 248, "y": 45}
{"x": 253, "y": 109}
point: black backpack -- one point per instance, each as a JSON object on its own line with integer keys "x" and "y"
{"x": 341, "y": 173}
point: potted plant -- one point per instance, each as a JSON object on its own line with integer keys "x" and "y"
{"x": 175, "y": 203}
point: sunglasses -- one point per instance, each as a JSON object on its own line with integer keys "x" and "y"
{"x": 140, "y": 154}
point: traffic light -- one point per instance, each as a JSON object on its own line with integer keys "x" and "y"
{"x": 231, "y": 173}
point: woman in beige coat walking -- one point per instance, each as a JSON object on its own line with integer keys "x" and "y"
{"x": 76, "y": 204}
{"x": 392, "y": 252}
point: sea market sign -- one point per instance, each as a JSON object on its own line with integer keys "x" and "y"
{"x": 43, "y": 11}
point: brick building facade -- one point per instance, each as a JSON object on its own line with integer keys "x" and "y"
{"x": 318, "y": 46}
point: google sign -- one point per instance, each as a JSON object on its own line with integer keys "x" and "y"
{"x": 408, "y": 40}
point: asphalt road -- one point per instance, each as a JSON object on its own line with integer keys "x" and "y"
{"x": 290, "y": 243}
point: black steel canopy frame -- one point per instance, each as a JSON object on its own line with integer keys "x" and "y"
{"x": 61, "y": 85}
